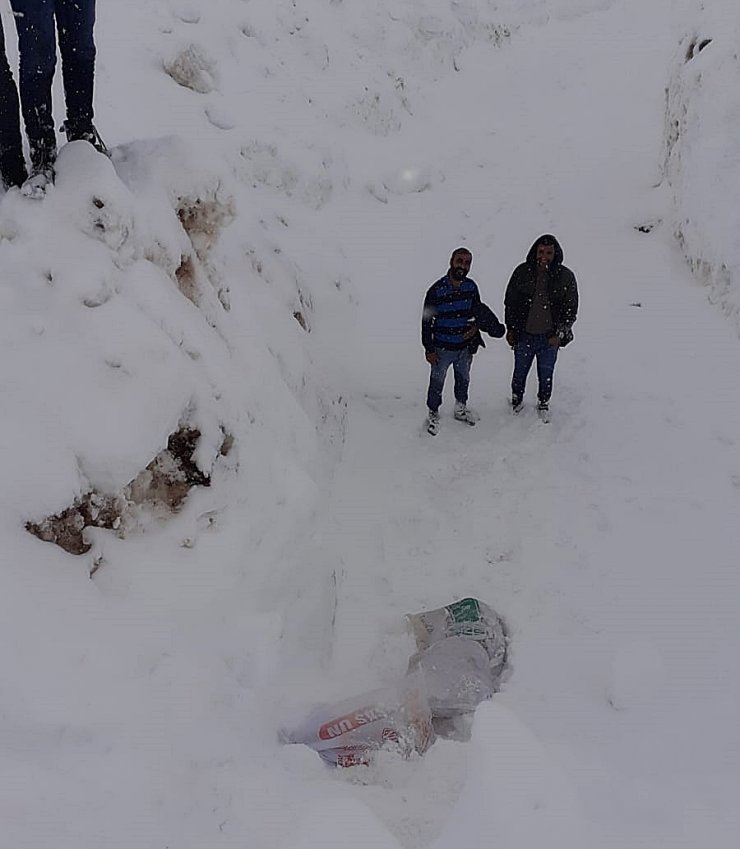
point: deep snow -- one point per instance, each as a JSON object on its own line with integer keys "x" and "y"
{"x": 337, "y": 152}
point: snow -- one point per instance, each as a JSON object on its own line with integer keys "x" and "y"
{"x": 702, "y": 165}
{"x": 251, "y": 262}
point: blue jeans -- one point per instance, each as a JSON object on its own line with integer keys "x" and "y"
{"x": 526, "y": 349}
{"x": 460, "y": 362}
{"x": 12, "y": 167}
{"x": 35, "y": 22}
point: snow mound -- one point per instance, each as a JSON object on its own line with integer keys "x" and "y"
{"x": 702, "y": 156}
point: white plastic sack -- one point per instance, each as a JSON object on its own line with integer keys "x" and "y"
{"x": 468, "y": 618}
{"x": 348, "y": 733}
{"x": 461, "y": 655}
{"x": 456, "y": 673}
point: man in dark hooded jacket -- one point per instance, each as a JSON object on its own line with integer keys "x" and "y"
{"x": 541, "y": 304}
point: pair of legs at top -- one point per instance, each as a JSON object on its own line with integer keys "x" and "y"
{"x": 528, "y": 348}
{"x": 39, "y": 23}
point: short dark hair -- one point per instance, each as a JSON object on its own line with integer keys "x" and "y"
{"x": 461, "y": 250}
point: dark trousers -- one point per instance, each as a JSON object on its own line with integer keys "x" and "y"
{"x": 526, "y": 349}
{"x": 460, "y": 362}
{"x": 12, "y": 167}
{"x": 35, "y": 21}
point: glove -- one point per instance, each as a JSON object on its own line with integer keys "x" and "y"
{"x": 565, "y": 334}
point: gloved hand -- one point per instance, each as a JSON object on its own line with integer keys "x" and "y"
{"x": 511, "y": 338}
{"x": 431, "y": 357}
{"x": 565, "y": 334}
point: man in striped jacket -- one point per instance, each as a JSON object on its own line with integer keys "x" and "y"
{"x": 451, "y": 322}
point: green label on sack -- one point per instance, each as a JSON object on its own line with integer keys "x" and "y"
{"x": 465, "y": 610}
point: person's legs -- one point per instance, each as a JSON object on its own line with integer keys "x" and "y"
{"x": 524, "y": 352}
{"x": 461, "y": 369}
{"x": 12, "y": 166}
{"x": 547, "y": 354}
{"x": 34, "y": 20}
{"x": 75, "y": 23}
{"x": 437, "y": 378}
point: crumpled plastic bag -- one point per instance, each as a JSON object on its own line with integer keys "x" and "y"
{"x": 461, "y": 654}
{"x": 456, "y": 674}
{"x": 350, "y": 732}
{"x": 465, "y": 618}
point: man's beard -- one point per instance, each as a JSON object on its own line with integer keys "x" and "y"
{"x": 457, "y": 274}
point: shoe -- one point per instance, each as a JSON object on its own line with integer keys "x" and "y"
{"x": 516, "y": 403}
{"x": 42, "y": 172}
{"x": 38, "y": 184}
{"x": 433, "y": 422}
{"x": 12, "y": 172}
{"x": 85, "y": 132}
{"x": 463, "y": 414}
{"x": 543, "y": 411}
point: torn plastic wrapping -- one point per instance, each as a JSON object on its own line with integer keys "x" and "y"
{"x": 468, "y": 618}
{"x": 461, "y": 654}
{"x": 456, "y": 674}
{"x": 348, "y": 733}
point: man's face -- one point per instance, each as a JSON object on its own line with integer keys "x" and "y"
{"x": 460, "y": 265}
{"x": 545, "y": 255}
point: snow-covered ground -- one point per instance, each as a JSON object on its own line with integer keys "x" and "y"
{"x": 251, "y": 263}
{"x": 702, "y": 161}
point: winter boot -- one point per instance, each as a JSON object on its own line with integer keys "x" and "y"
{"x": 433, "y": 422}
{"x": 42, "y": 171}
{"x": 463, "y": 414}
{"x": 516, "y": 403}
{"x": 85, "y": 132}
{"x": 543, "y": 411}
{"x": 12, "y": 169}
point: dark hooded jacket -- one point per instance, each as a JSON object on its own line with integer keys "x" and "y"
{"x": 562, "y": 292}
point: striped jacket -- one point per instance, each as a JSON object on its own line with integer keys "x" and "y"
{"x": 448, "y": 313}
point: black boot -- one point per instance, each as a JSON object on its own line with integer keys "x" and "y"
{"x": 12, "y": 169}
{"x": 85, "y": 132}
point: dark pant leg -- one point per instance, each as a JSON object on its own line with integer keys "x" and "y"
{"x": 75, "y": 24}
{"x": 461, "y": 369}
{"x": 524, "y": 352}
{"x": 547, "y": 354}
{"x": 437, "y": 378}
{"x": 12, "y": 166}
{"x": 34, "y": 20}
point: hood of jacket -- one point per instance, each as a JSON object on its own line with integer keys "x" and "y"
{"x": 550, "y": 240}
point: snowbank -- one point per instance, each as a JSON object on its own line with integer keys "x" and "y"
{"x": 702, "y": 151}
